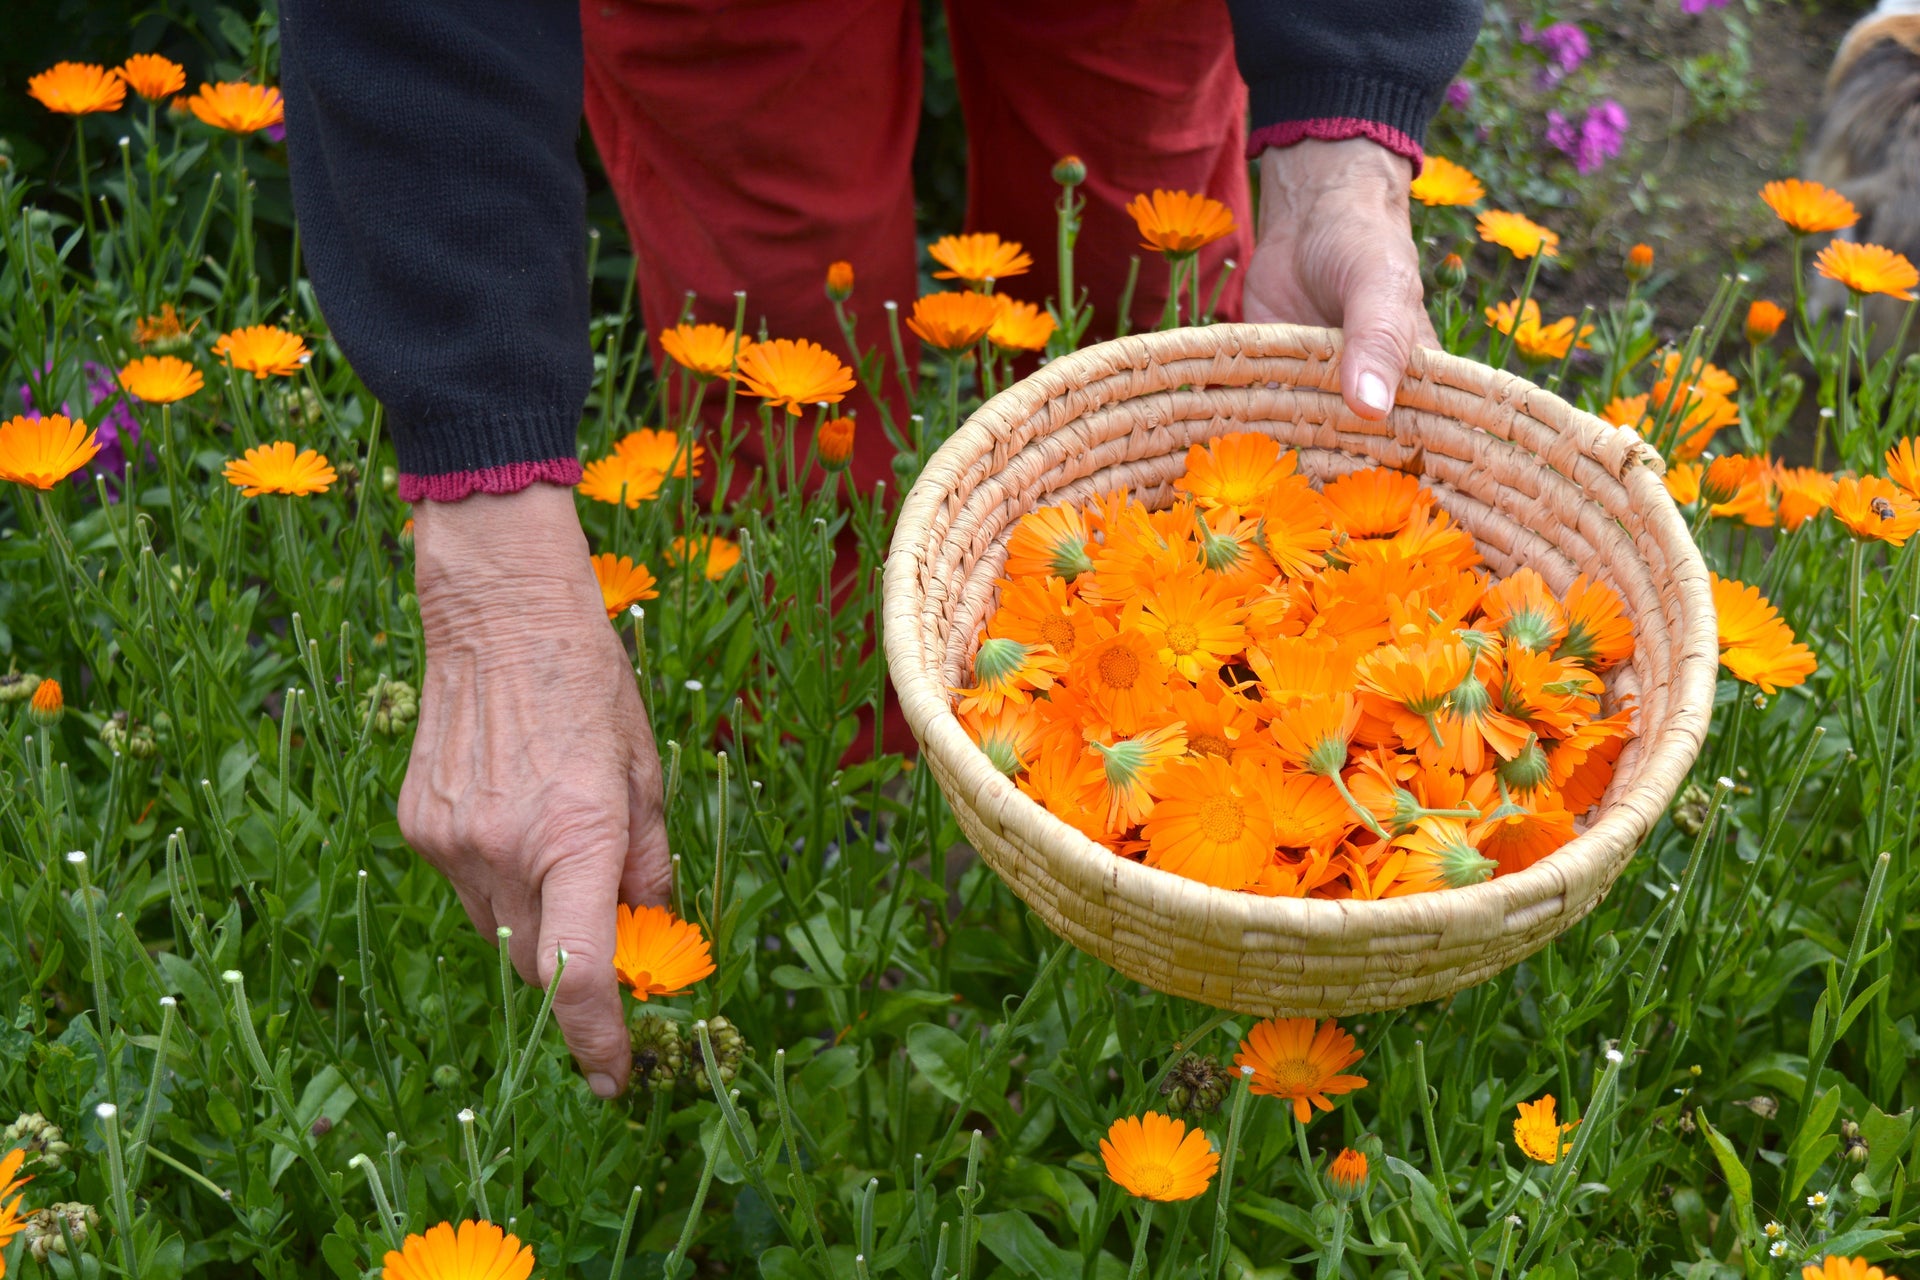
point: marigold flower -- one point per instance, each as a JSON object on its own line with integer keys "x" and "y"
{"x": 617, "y": 479}
{"x": 1763, "y": 320}
{"x": 473, "y": 1251}
{"x": 1210, "y": 823}
{"x": 622, "y": 582}
{"x": 1122, "y": 776}
{"x": 1179, "y": 223}
{"x": 979, "y": 257}
{"x": 11, "y": 1221}
{"x": 238, "y": 106}
{"x": 833, "y": 443}
{"x": 78, "y": 88}
{"x": 1868, "y": 268}
{"x": 1157, "y": 1158}
{"x": 163, "y": 329}
{"x": 1347, "y": 1174}
{"x": 1444, "y": 183}
{"x": 794, "y": 374}
{"x": 1439, "y": 855}
{"x": 160, "y": 379}
{"x": 1315, "y": 734}
{"x": 708, "y": 349}
{"x": 655, "y": 953}
{"x": 1536, "y": 342}
{"x": 1237, "y": 470}
{"x": 1196, "y": 621}
{"x": 664, "y": 452}
{"x": 1599, "y": 633}
{"x": 717, "y": 554}
{"x": 1020, "y": 326}
{"x": 1008, "y": 670}
{"x": 1451, "y": 274}
{"x": 1010, "y": 738}
{"x": 44, "y": 451}
{"x": 953, "y": 322}
{"x": 47, "y": 702}
{"x": 1903, "y": 465}
{"x": 279, "y": 468}
{"x": 264, "y": 350}
{"x": 1809, "y": 207}
{"x": 1296, "y": 1058}
{"x": 1122, "y": 677}
{"x": 1053, "y": 540}
{"x": 840, "y": 281}
{"x": 1805, "y": 493}
{"x": 1518, "y": 234}
{"x": 153, "y": 76}
{"x": 1373, "y": 503}
{"x": 1834, "y": 1267}
{"x": 1682, "y": 478}
{"x": 1639, "y": 261}
{"x": 1875, "y": 510}
{"x": 1538, "y": 1133}
{"x": 1755, "y": 644}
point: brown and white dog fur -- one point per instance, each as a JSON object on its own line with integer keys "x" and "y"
{"x": 1867, "y": 146}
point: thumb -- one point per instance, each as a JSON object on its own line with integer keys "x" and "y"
{"x": 1382, "y": 313}
{"x": 577, "y": 916}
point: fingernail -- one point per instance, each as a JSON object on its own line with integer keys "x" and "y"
{"x": 1374, "y": 393}
{"x": 602, "y": 1085}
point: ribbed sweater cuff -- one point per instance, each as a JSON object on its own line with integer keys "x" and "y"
{"x": 447, "y": 461}
{"x": 1334, "y": 106}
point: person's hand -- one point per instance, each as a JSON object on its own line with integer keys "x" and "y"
{"x": 534, "y": 784}
{"x": 1335, "y": 247}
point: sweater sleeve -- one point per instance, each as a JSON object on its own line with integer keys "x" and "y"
{"x": 442, "y": 214}
{"x": 1350, "y": 68}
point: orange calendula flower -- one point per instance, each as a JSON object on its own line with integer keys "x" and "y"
{"x": 162, "y": 329}
{"x": 618, "y": 479}
{"x": 1005, "y": 670}
{"x": 1868, "y": 268}
{"x": 1347, "y": 1173}
{"x": 1537, "y": 342}
{"x": 622, "y": 582}
{"x": 1538, "y": 1133}
{"x": 655, "y": 953}
{"x": 1682, "y": 479}
{"x": 1875, "y": 510}
{"x": 1210, "y": 823}
{"x": 1157, "y": 1158}
{"x": 160, "y": 379}
{"x": 1518, "y": 234}
{"x": 833, "y": 443}
{"x": 1834, "y": 1267}
{"x": 665, "y": 452}
{"x": 953, "y": 322}
{"x": 1043, "y": 611}
{"x": 978, "y": 257}
{"x": 1444, "y": 183}
{"x": 264, "y": 350}
{"x": 796, "y": 374}
{"x": 1439, "y": 855}
{"x": 77, "y": 88}
{"x": 11, "y": 1221}
{"x": 43, "y": 451}
{"x": 1599, "y": 634}
{"x": 1314, "y": 735}
{"x": 1764, "y": 319}
{"x": 1120, "y": 777}
{"x": 1522, "y": 609}
{"x": 1639, "y": 261}
{"x": 1122, "y": 677}
{"x": 1374, "y": 503}
{"x": 279, "y": 468}
{"x": 1196, "y": 622}
{"x": 1009, "y": 738}
{"x": 1739, "y": 487}
{"x": 1903, "y": 465}
{"x": 1809, "y": 207}
{"x": 1053, "y": 541}
{"x": 1179, "y": 223}
{"x": 1237, "y": 470}
{"x": 472, "y": 1251}
{"x": 47, "y": 702}
{"x": 1411, "y": 685}
{"x": 153, "y": 76}
{"x": 1805, "y": 493}
{"x": 1295, "y": 1058}
{"x": 238, "y": 106}
{"x": 1756, "y": 645}
{"x": 1019, "y": 326}
{"x": 706, "y": 349}
{"x": 717, "y": 555}
{"x": 840, "y": 280}
{"x": 1056, "y": 779}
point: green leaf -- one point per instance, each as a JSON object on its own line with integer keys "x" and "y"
{"x": 1013, "y": 1238}
{"x": 1813, "y": 1142}
{"x": 1887, "y": 1138}
{"x": 342, "y": 1255}
{"x": 1425, "y": 1198}
{"x": 1739, "y": 1181}
{"x": 941, "y": 1056}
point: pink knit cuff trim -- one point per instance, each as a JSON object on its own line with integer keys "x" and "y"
{"x": 512, "y": 478}
{"x": 1336, "y": 129}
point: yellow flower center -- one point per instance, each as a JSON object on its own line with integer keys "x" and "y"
{"x": 1119, "y": 667}
{"x": 1294, "y": 1076}
{"x": 1183, "y": 638}
{"x": 1223, "y": 818}
{"x": 1058, "y": 632}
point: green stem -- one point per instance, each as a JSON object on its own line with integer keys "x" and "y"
{"x": 1139, "y": 1266}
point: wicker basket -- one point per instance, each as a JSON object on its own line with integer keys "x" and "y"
{"x": 1533, "y": 480}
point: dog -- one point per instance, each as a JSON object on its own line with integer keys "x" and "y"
{"x": 1867, "y": 147}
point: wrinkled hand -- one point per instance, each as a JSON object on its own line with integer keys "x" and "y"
{"x": 534, "y": 785}
{"x": 1335, "y": 247}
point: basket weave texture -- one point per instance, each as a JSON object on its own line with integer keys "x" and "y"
{"x": 1533, "y": 480}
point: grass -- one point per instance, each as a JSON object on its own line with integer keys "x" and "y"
{"x": 276, "y": 1046}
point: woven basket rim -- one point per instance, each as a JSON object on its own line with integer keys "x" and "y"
{"x": 927, "y": 706}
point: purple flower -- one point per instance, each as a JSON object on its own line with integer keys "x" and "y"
{"x": 1595, "y": 140}
{"x": 116, "y": 433}
{"x": 1460, "y": 94}
{"x": 1701, "y": 6}
{"x": 278, "y": 132}
{"x": 1564, "y": 44}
